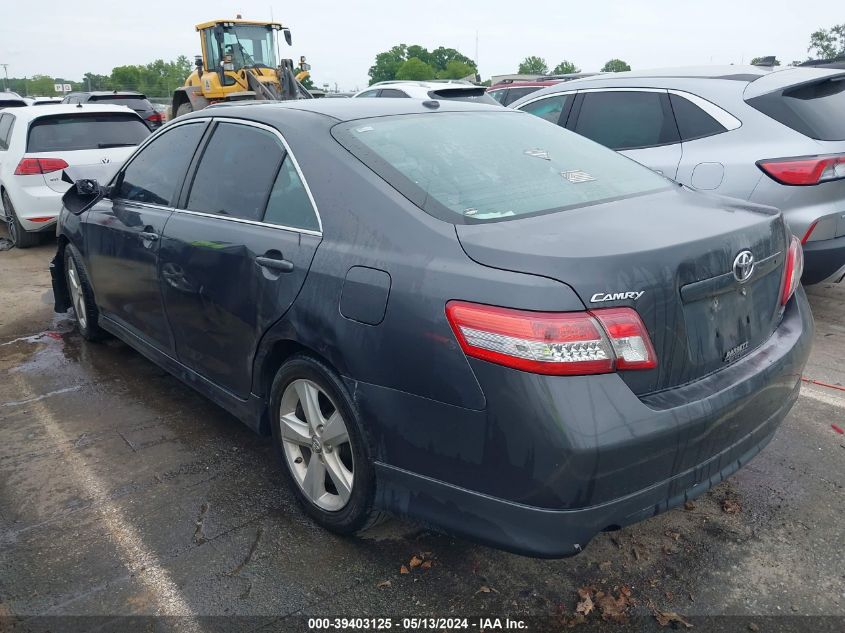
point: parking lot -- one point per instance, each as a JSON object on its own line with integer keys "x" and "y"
{"x": 123, "y": 492}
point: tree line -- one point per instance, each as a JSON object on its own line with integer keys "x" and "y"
{"x": 156, "y": 79}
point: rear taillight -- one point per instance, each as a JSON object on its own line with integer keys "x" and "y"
{"x": 37, "y": 166}
{"x": 557, "y": 343}
{"x": 792, "y": 270}
{"x": 805, "y": 170}
{"x": 155, "y": 117}
{"x": 809, "y": 232}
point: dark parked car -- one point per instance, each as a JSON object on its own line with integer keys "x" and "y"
{"x": 134, "y": 100}
{"x": 448, "y": 311}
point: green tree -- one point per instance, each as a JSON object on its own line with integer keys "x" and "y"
{"x": 760, "y": 60}
{"x": 565, "y": 67}
{"x": 828, "y": 43}
{"x": 615, "y": 66}
{"x": 388, "y": 63}
{"x": 441, "y": 56}
{"x": 415, "y": 69}
{"x": 456, "y": 70}
{"x": 533, "y": 65}
{"x": 41, "y": 86}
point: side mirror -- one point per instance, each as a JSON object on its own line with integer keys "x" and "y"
{"x": 83, "y": 195}
{"x": 287, "y": 36}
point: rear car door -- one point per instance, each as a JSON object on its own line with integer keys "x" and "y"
{"x": 635, "y": 122}
{"x": 236, "y": 250}
{"x": 122, "y": 233}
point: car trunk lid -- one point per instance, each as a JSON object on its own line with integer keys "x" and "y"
{"x": 670, "y": 256}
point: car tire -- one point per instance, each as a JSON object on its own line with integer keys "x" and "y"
{"x": 19, "y": 236}
{"x": 317, "y": 484}
{"x": 184, "y": 108}
{"x": 81, "y": 296}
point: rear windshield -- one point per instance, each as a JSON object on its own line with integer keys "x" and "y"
{"x": 816, "y": 110}
{"x": 476, "y": 95}
{"x": 467, "y": 167}
{"x": 12, "y": 103}
{"x": 68, "y": 132}
{"x": 135, "y": 102}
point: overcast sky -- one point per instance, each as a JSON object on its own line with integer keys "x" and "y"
{"x": 340, "y": 39}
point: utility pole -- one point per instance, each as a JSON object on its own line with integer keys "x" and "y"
{"x": 6, "y": 77}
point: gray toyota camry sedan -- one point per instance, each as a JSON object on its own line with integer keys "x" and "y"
{"x": 447, "y": 311}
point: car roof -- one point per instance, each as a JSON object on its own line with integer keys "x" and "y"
{"x": 752, "y": 80}
{"x": 431, "y": 83}
{"x": 30, "y": 113}
{"x": 527, "y": 84}
{"x": 343, "y": 109}
{"x": 114, "y": 93}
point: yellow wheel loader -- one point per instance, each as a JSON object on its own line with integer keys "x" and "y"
{"x": 238, "y": 63}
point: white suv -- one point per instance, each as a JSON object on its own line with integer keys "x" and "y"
{"x": 446, "y": 89}
{"x": 38, "y": 144}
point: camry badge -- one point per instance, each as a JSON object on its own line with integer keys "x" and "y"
{"x": 616, "y": 296}
{"x": 743, "y": 266}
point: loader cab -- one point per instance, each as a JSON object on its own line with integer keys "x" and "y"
{"x": 234, "y": 45}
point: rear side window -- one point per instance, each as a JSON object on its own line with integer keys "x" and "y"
{"x": 289, "y": 204}
{"x": 134, "y": 102}
{"x": 368, "y": 93}
{"x": 12, "y": 103}
{"x": 549, "y": 108}
{"x": 816, "y": 110}
{"x": 391, "y": 92}
{"x": 518, "y": 93}
{"x": 6, "y": 121}
{"x": 468, "y": 167}
{"x": 236, "y": 172}
{"x": 693, "y": 122}
{"x": 70, "y": 132}
{"x": 157, "y": 170}
{"x": 627, "y": 120}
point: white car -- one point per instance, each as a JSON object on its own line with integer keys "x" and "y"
{"x": 446, "y": 89}
{"x": 38, "y": 144}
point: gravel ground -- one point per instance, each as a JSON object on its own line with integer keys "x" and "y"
{"x": 125, "y": 493}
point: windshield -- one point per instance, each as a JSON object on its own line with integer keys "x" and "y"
{"x": 248, "y": 45}
{"x": 70, "y": 132}
{"x": 467, "y": 167}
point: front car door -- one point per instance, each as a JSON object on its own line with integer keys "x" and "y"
{"x": 236, "y": 250}
{"x": 122, "y": 233}
{"x": 635, "y": 122}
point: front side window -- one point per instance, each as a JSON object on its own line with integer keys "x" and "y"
{"x": 236, "y": 172}
{"x": 518, "y": 93}
{"x": 289, "y": 204}
{"x": 155, "y": 173}
{"x": 549, "y": 108}
{"x": 71, "y": 132}
{"x": 499, "y": 95}
{"x": 467, "y": 167}
{"x": 693, "y": 122}
{"x": 627, "y": 119}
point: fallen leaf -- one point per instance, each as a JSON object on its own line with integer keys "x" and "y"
{"x": 665, "y": 618}
{"x": 625, "y": 590}
{"x": 613, "y": 608}
{"x": 730, "y": 506}
{"x": 485, "y": 589}
{"x": 753, "y": 627}
{"x": 585, "y": 606}
{"x": 426, "y": 564}
{"x": 669, "y": 550}
{"x": 604, "y": 565}
{"x": 384, "y": 583}
{"x": 415, "y": 561}
{"x": 404, "y": 570}
{"x": 689, "y": 506}
{"x": 675, "y": 536}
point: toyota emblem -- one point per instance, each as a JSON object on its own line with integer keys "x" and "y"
{"x": 743, "y": 266}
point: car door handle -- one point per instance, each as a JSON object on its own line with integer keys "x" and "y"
{"x": 273, "y": 263}
{"x": 150, "y": 237}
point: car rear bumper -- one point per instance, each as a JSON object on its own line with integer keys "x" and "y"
{"x": 553, "y": 461}
{"x": 36, "y": 202}
{"x": 823, "y": 259}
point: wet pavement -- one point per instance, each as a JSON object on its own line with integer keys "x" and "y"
{"x": 124, "y": 492}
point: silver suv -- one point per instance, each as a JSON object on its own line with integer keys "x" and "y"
{"x": 775, "y": 137}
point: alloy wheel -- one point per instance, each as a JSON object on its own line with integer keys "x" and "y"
{"x": 316, "y": 445}
{"x": 76, "y": 294}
